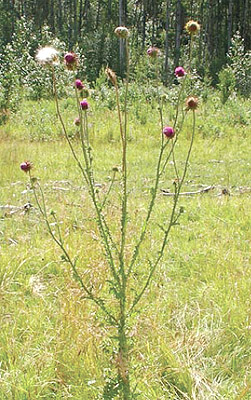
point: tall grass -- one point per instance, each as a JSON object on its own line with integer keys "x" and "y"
{"x": 193, "y": 335}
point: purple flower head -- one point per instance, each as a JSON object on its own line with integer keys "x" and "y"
{"x": 77, "y": 121}
{"x": 26, "y": 166}
{"x": 71, "y": 60}
{"x": 179, "y": 72}
{"x": 84, "y": 104}
{"x": 79, "y": 84}
{"x": 168, "y": 131}
{"x": 153, "y": 52}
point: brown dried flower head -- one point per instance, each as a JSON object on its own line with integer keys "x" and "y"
{"x": 192, "y": 27}
{"x": 192, "y": 103}
{"x": 153, "y": 52}
{"x": 122, "y": 32}
{"x": 111, "y": 75}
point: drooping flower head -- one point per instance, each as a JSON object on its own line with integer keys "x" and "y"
{"x": 169, "y": 132}
{"x": 122, "y": 32}
{"x": 153, "y": 52}
{"x": 71, "y": 60}
{"x": 192, "y": 27}
{"x": 180, "y": 72}
{"x": 47, "y": 56}
{"x": 111, "y": 75}
{"x": 191, "y": 103}
{"x": 79, "y": 84}
{"x": 82, "y": 88}
{"x": 26, "y": 166}
{"x": 77, "y": 121}
{"x": 84, "y": 104}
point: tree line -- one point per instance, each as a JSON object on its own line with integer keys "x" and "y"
{"x": 88, "y": 25}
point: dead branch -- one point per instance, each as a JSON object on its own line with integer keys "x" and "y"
{"x": 205, "y": 190}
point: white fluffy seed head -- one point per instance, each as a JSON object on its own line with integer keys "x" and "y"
{"x": 47, "y": 56}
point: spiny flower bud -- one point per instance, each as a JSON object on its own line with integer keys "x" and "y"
{"x": 153, "y": 52}
{"x": 179, "y": 72}
{"x": 122, "y": 32}
{"x": 77, "y": 121}
{"x": 191, "y": 103}
{"x": 111, "y": 75}
{"x": 79, "y": 84}
{"x": 168, "y": 131}
{"x": 115, "y": 168}
{"x": 192, "y": 27}
{"x": 71, "y": 60}
{"x": 26, "y": 166}
{"x": 84, "y": 104}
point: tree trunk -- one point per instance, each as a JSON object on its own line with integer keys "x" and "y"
{"x": 98, "y": 14}
{"x": 144, "y": 24}
{"x": 86, "y": 13}
{"x": 75, "y": 22}
{"x": 122, "y": 48}
{"x": 154, "y": 21}
{"x": 52, "y": 17}
{"x": 166, "y": 42}
{"x": 178, "y": 32}
{"x": 70, "y": 24}
{"x": 59, "y": 16}
{"x": 80, "y": 18}
{"x": 229, "y": 23}
{"x": 246, "y": 22}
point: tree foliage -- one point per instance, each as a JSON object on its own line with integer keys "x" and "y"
{"x": 88, "y": 27}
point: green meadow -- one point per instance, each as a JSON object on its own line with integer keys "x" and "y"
{"x": 190, "y": 336}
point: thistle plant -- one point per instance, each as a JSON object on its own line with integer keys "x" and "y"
{"x": 121, "y": 251}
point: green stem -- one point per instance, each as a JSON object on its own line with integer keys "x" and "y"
{"x": 159, "y": 172}
{"x": 104, "y": 233}
{"x": 170, "y": 224}
{"x": 43, "y": 212}
{"x": 64, "y": 128}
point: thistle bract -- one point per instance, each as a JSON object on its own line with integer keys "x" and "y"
{"x": 79, "y": 84}
{"x": 179, "y": 72}
{"x": 153, "y": 52}
{"x": 122, "y": 32}
{"x": 192, "y": 103}
{"x": 71, "y": 60}
{"x": 168, "y": 131}
{"x": 84, "y": 104}
{"x": 77, "y": 121}
{"x": 192, "y": 27}
{"x": 26, "y": 166}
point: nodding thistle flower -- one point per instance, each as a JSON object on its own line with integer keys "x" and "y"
{"x": 111, "y": 75}
{"x": 122, "y": 32}
{"x": 168, "y": 131}
{"x": 180, "y": 72}
{"x": 153, "y": 52}
{"x": 47, "y": 56}
{"x": 26, "y": 166}
{"x": 71, "y": 61}
{"x": 77, "y": 121}
{"x": 79, "y": 84}
{"x": 191, "y": 103}
{"x": 84, "y": 104}
{"x": 192, "y": 27}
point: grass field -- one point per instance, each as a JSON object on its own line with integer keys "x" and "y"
{"x": 191, "y": 337}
